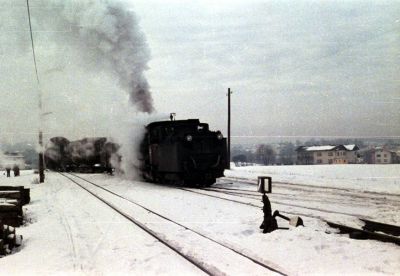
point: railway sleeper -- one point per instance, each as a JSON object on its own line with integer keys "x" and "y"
{"x": 361, "y": 234}
{"x": 374, "y": 226}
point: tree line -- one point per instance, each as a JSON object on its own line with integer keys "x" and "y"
{"x": 285, "y": 153}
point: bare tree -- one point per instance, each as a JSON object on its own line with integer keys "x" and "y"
{"x": 239, "y": 158}
{"x": 288, "y": 154}
{"x": 265, "y": 154}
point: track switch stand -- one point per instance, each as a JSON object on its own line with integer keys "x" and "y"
{"x": 269, "y": 223}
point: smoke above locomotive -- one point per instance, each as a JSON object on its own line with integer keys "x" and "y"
{"x": 94, "y": 154}
{"x": 105, "y": 36}
{"x": 91, "y": 61}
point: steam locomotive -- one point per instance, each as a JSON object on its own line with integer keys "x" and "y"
{"x": 87, "y": 155}
{"x": 183, "y": 152}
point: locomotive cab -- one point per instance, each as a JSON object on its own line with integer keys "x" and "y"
{"x": 183, "y": 152}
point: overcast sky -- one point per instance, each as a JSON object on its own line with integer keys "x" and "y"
{"x": 296, "y": 68}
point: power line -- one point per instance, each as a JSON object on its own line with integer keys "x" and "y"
{"x": 33, "y": 47}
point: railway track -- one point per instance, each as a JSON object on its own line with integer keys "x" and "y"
{"x": 328, "y": 203}
{"x": 371, "y": 230}
{"x": 205, "y": 191}
{"x": 361, "y": 206}
{"x": 376, "y": 196}
{"x": 291, "y": 197}
{"x": 210, "y": 269}
{"x": 256, "y": 195}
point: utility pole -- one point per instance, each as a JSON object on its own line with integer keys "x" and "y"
{"x": 41, "y": 157}
{"x": 229, "y": 129}
{"x": 41, "y": 161}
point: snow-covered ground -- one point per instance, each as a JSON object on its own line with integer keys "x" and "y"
{"x": 70, "y": 231}
{"x": 362, "y": 177}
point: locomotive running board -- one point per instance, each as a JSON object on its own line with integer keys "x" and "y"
{"x": 357, "y": 233}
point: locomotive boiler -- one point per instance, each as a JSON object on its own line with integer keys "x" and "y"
{"x": 183, "y": 152}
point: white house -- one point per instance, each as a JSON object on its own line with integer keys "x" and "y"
{"x": 340, "y": 154}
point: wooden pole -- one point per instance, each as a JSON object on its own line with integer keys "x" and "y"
{"x": 41, "y": 161}
{"x": 229, "y": 130}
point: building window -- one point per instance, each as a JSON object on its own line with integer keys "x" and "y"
{"x": 378, "y": 160}
{"x": 385, "y": 160}
{"x": 385, "y": 155}
{"x": 344, "y": 153}
{"x": 319, "y": 161}
{"x": 378, "y": 155}
{"x": 319, "y": 153}
{"x": 330, "y": 161}
{"x": 337, "y": 153}
{"x": 330, "y": 153}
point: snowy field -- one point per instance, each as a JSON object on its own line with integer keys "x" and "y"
{"x": 68, "y": 231}
{"x": 362, "y": 177}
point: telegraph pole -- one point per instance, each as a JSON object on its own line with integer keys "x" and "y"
{"x": 41, "y": 157}
{"x": 41, "y": 160}
{"x": 229, "y": 129}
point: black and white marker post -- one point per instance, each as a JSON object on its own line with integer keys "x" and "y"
{"x": 269, "y": 223}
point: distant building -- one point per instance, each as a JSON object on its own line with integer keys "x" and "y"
{"x": 340, "y": 154}
{"x": 380, "y": 155}
{"x": 11, "y": 159}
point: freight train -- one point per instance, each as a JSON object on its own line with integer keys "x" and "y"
{"x": 179, "y": 152}
{"x": 183, "y": 152}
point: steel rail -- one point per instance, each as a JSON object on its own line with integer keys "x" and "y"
{"x": 185, "y": 227}
{"x": 353, "y": 192}
{"x": 272, "y": 201}
{"x": 144, "y": 228}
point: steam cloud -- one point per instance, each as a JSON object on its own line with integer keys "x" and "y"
{"x": 108, "y": 32}
{"x": 91, "y": 57}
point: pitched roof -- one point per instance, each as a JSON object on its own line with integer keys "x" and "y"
{"x": 351, "y": 147}
{"x": 328, "y": 148}
{"x": 319, "y": 148}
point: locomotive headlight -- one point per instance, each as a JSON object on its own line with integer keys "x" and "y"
{"x": 189, "y": 138}
{"x": 220, "y": 136}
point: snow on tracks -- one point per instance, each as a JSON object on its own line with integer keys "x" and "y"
{"x": 329, "y": 201}
{"x": 189, "y": 243}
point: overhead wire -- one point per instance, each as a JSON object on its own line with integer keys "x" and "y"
{"x": 32, "y": 43}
